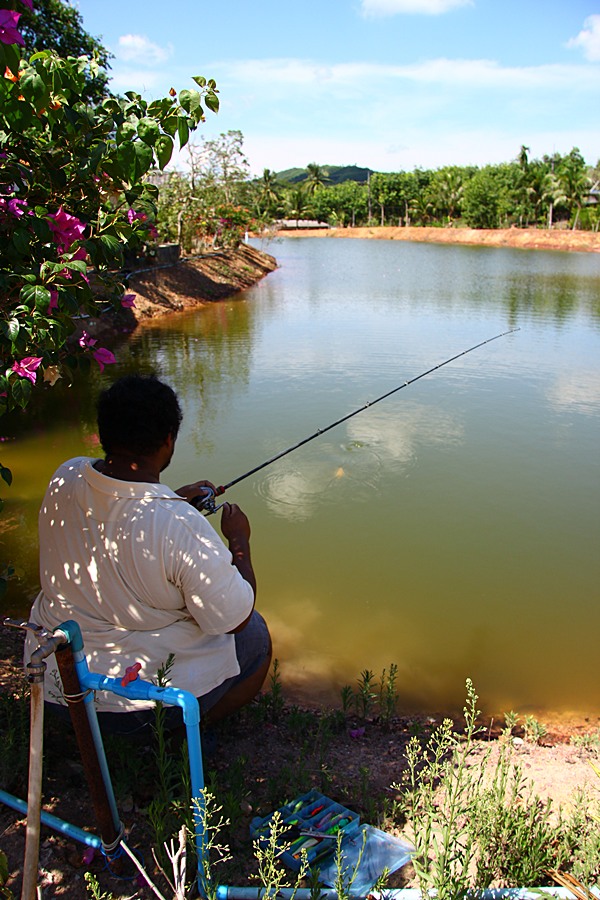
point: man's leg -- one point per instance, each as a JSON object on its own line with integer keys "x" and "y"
{"x": 254, "y": 651}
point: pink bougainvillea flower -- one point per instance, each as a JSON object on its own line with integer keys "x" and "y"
{"x": 53, "y": 300}
{"x": 103, "y": 357}
{"x": 13, "y": 205}
{"x": 28, "y": 4}
{"x": 128, "y": 300}
{"x": 27, "y": 367}
{"x": 132, "y": 215}
{"x": 9, "y": 33}
{"x": 66, "y": 228}
{"x": 80, "y": 253}
{"x": 86, "y": 341}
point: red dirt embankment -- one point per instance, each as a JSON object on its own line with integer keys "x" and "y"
{"x": 198, "y": 280}
{"x": 523, "y": 238}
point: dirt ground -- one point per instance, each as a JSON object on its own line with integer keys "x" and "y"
{"x": 520, "y": 238}
{"x": 263, "y": 758}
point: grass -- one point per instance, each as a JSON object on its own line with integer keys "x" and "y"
{"x": 472, "y": 824}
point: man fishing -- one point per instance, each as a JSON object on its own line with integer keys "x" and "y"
{"x": 142, "y": 571}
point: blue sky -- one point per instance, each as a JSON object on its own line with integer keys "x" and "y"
{"x": 389, "y": 84}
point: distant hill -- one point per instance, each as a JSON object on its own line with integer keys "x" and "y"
{"x": 335, "y": 174}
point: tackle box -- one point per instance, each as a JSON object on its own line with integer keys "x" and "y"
{"x": 313, "y": 822}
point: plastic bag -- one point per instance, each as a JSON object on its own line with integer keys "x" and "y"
{"x": 379, "y": 851}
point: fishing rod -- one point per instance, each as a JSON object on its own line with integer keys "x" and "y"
{"x": 205, "y": 502}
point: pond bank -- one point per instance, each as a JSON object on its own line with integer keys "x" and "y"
{"x": 193, "y": 281}
{"x": 521, "y": 238}
{"x": 196, "y": 281}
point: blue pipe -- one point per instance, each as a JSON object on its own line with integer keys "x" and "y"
{"x": 65, "y": 828}
{"x": 145, "y": 690}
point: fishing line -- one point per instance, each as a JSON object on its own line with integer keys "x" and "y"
{"x": 206, "y": 501}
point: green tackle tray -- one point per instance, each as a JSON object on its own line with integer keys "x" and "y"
{"x": 312, "y": 821}
{"x": 366, "y": 851}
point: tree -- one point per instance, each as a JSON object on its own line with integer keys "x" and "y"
{"x": 58, "y": 26}
{"x": 446, "y": 191}
{"x": 219, "y": 166}
{"x": 297, "y": 203}
{"x": 268, "y": 192}
{"x": 316, "y": 177}
{"x": 574, "y": 183}
{"x": 481, "y": 200}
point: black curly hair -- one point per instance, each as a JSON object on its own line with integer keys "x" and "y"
{"x": 137, "y": 413}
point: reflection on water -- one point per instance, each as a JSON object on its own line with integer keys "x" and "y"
{"x": 453, "y": 528}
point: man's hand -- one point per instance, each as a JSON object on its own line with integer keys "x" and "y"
{"x": 189, "y": 491}
{"x": 234, "y": 523}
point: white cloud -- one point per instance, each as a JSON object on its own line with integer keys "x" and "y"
{"x": 420, "y": 7}
{"x": 144, "y": 81}
{"x": 137, "y": 48}
{"x": 279, "y": 74}
{"x": 589, "y": 39}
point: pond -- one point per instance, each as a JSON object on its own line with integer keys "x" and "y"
{"x": 452, "y": 529}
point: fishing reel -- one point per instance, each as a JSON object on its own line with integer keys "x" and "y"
{"x": 206, "y": 501}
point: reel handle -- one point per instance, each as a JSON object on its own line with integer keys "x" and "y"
{"x": 205, "y": 502}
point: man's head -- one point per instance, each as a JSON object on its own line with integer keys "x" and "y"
{"x": 137, "y": 414}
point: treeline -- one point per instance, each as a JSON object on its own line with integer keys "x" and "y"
{"x": 216, "y": 200}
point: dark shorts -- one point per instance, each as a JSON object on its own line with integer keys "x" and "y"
{"x": 252, "y": 646}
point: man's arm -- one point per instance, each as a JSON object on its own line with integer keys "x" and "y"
{"x": 236, "y": 530}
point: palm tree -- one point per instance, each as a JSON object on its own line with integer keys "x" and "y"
{"x": 297, "y": 203}
{"x": 316, "y": 178}
{"x": 574, "y": 182}
{"x": 267, "y": 191}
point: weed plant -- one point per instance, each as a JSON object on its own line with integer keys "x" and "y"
{"x": 441, "y": 801}
{"x": 14, "y": 728}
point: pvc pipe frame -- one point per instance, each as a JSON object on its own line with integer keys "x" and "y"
{"x": 145, "y": 690}
{"x": 53, "y": 822}
{"x": 135, "y": 690}
{"x": 533, "y": 893}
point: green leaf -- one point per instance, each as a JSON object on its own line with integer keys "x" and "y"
{"x": 159, "y": 108}
{"x": 164, "y": 150}
{"x": 21, "y": 239}
{"x": 33, "y": 87}
{"x": 35, "y": 296}
{"x": 10, "y": 57}
{"x": 191, "y": 101}
{"x": 125, "y": 160}
{"x": 148, "y": 131}
{"x": 200, "y": 80}
{"x": 169, "y": 124}
{"x": 11, "y": 328}
{"x": 183, "y": 131}
{"x": 76, "y": 265}
{"x": 6, "y": 475}
{"x": 21, "y": 392}
{"x": 212, "y": 101}
{"x": 144, "y": 158}
{"x": 126, "y": 132}
{"x": 110, "y": 245}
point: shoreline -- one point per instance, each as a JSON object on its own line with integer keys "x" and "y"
{"x": 517, "y": 238}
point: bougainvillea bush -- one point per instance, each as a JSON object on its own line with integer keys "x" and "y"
{"x": 73, "y": 197}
